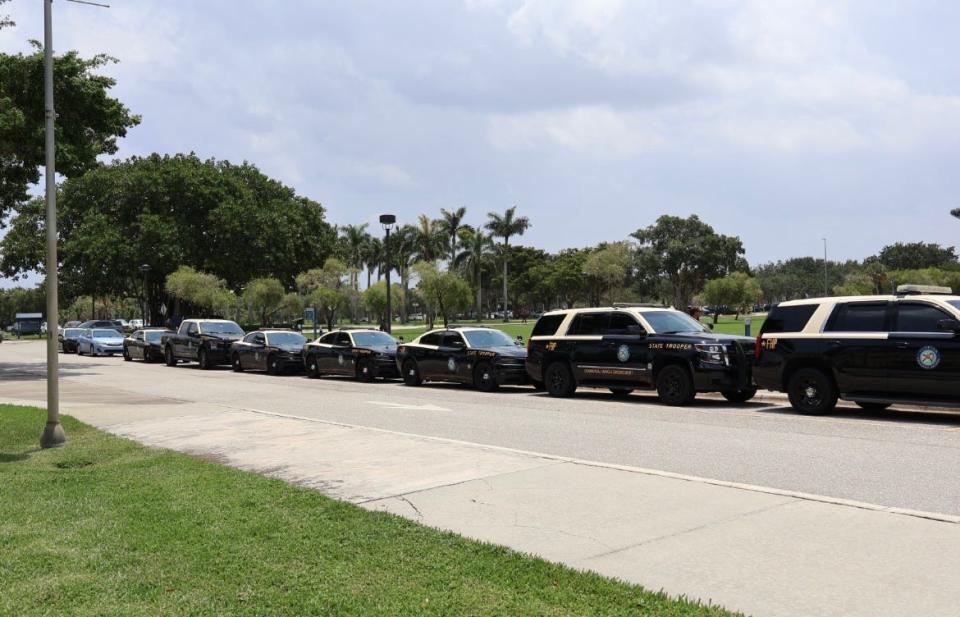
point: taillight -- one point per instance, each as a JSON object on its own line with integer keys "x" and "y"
{"x": 758, "y": 347}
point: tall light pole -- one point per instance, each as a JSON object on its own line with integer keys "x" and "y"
{"x": 52, "y": 434}
{"x": 387, "y": 221}
{"x": 825, "y": 292}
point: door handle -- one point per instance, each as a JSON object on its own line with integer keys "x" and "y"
{"x": 902, "y": 344}
{"x": 833, "y": 344}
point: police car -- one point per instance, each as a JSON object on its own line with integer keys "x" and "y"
{"x": 482, "y": 357}
{"x": 362, "y": 353}
{"x": 872, "y": 350}
{"x": 626, "y": 347}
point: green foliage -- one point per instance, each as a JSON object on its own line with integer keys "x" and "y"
{"x": 325, "y": 289}
{"x": 443, "y": 293}
{"x": 88, "y": 123}
{"x": 685, "y": 253}
{"x": 738, "y": 291}
{"x": 201, "y": 291}
{"x": 20, "y": 300}
{"x": 506, "y": 226}
{"x": 917, "y": 256}
{"x": 375, "y": 299}
{"x": 800, "y": 277}
{"x": 264, "y": 296}
{"x": 476, "y": 260}
{"x": 608, "y": 268}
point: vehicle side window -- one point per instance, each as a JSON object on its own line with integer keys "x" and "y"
{"x": 343, "y": 339}
{"x": 138, "y": 336}
{"x": 589, "y": 323}
{"x": 249, "y": 338}
{"x": 919, "y": 317}
{"x": 259, "y": 339}
{"x": 859, "y": 317}
{"x": 620, "y": 324}
{"x": 431, "y": 339}
{"x": 788, "y": 318}
{"x": 193, "y": 328}
{"x": 453, "y": 339}
{"x": 329, "y": 339}
{"x": 547, "y": 325}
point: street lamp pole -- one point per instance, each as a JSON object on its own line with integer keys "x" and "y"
{"x": 52, "y": 434}
{"x": 825, "y": 291}
{"x": 388, "y": 221}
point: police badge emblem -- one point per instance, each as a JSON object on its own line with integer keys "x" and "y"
{"x": 452, "y": 365}
{"x": 623, "y": 353}
{"x": 928, "y": 357}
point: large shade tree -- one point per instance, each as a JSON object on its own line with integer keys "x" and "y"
{"x": 506, "y": 226}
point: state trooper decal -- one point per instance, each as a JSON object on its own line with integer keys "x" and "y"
{"x": 928, "y": 357}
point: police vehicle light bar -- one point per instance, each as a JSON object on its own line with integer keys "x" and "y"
{"x": 912, "y": 290}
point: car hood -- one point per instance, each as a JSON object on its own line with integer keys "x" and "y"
{"x": 227, "y": 338}
{"x": 706, "y": 337}
{"x": 290, "y": 348}
{"x": 512, "y": 351}
{"x": 108, "y": 341}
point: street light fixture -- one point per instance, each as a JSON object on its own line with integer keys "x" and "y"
{"x": 387, "y": 221}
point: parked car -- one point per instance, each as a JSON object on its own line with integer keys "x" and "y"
{"x": 483, "y": 357}
{"x": 872, "y": 350}
{"x": 145, "y": 344}
{"x": 136, "y": 324}
{"x": 68, "y": 339}
{"x": 99, "y": 342}
{"x": 205, "y": 341}
{"x": 628, "y": 347}
{"x": 72, "y": 324}
{"x": 274, "y": 351}
{"x": 365, "y": 354}
{"x": 113, "y": 324}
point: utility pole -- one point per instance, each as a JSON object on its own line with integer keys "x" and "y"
{"x": 825, "y": 291}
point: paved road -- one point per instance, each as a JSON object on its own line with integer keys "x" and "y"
{"x": 897, "y": 459}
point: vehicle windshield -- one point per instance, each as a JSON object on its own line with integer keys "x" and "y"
{"x": 105, "y": 334}
{"x": 488, "y": 338}
{"x": 220, "y": 327}
{"x": 954, "y": 303}
{"x": 672, "y": 322}
{"x": 153, "y": 335}
{"x": 287, "y": 338}
{"x": 72, "y": 332}
{"x": 373, "y": 339}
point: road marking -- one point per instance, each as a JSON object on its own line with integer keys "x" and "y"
{"x": 836, "y": 501}
{"x": 408, "y": 406}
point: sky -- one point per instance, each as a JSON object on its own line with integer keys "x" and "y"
{"x": 782, "y": 122}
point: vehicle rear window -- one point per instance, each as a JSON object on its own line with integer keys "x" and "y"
{"x": 859, "y": 317}
{"x": 788, "y": 318}
{"x": 588, "y": 323}
{"x": 547, "y": 325}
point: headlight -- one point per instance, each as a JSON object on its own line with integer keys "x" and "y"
{"x": 712, "y": 353}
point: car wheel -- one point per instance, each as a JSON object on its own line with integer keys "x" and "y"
{"x": 313, "y": 367}
{"x": 168, "y": 357}
{"x": 411, "y": 373}
{"x": 365, "y": 371}
{"x": 273, "y": 365}
{"x": 235, "y": 363}
{"x": 621, "y": 392}
{"x": 485, "y": 377}
{"x": 126, "y": 355}
{"x": 558, "y": 380}
{"x": 873, "y": 406}
{"x": 203, "y": 359}
{"x": 675, "y": 386}
{"x": 811, "y": 391}
{"x": 739, "y": 396}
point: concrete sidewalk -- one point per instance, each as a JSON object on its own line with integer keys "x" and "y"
{"x": 760, "y": 551}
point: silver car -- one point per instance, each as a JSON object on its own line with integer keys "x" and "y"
{"x": 100, "y": 342}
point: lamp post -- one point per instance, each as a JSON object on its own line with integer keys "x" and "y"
{"x": 145, "y": 269}
{"x": 387, "y": 221}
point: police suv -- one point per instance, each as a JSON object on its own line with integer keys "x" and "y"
{"x": 626, "y": 347}
{"x": 872, "y": 350}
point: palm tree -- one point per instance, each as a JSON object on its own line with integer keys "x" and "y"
{"x": 477, "y": 253}
{"x": 429, "y": 239}
{"x": 451, "y": 223}
{"x": 374, "y": 257}
{"x": 504, "y": 227}
{"x": 354, "y": 239}
{"x": 403, "y": 254}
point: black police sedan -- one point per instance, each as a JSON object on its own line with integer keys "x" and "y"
{"x": 67, "y": 340}
{"x": 274, "y": 351}
{"x": 364, "y": 354}
{"x": 145, "y": 344}
{"x": 482, "y": 357}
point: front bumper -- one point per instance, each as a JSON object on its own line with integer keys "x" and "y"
{"x": 290, "y": 361}
{"x": 107, "y": 349}
{"x": 385, "y": 367}
{"x": 513, "y": 373}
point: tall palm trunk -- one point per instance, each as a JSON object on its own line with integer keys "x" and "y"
{"x": 506, "y": 248}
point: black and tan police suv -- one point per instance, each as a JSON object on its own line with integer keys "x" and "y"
{"x": 626, "y": 347}
{"x": 872, "y": 350}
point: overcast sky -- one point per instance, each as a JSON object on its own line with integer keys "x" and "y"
{"x": 780, "y": 122}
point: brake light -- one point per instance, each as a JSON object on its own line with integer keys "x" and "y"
{"x": 758, "y": 347}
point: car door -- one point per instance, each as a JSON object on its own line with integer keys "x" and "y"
{"x": 344, "y": 357}
{"x": 925, "y": 360}
{"x": 427, "y": 354}
{"x": 624, "y": 352}
{"x": 136, "y": 349}
{"x": 257, "y": 352}
{"x": 588, "y": 357}
{"x": 451, "y": 358}
{"x": 323, "y": 352}
{"x": 856, "y": 344}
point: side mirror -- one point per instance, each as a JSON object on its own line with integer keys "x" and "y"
{"x": 400, "y": 339}
{"x": 710, "y": 325}
{"x": 949, "y": 325}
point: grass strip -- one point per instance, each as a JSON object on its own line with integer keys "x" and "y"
{"x": 105, "y": 526}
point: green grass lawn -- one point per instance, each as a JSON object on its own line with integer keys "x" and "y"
{"x": 728, "y": 325}
{"x": 104, "y": 526}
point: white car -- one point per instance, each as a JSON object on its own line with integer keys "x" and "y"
{"x": 135, "y": 324}
{"x": 100, "y": 342}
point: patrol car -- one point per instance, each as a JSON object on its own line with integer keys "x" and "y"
{"x": 483, "y": 357}
{"x": 361, "y": 353}
{"x": 626, "y": 347}
{"x": 274, "y": 351}
{"x": 872, "y": 350}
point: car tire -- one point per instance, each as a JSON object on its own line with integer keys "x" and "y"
{"x": 203, "y": 359}
{"x": 168, "y": 357}
{"x": 411, "y": 373}
{"x": 675, "y": 386}
{"x": 621, "y": 392}
{"x": 739, "y": 396}
{"x": 273, "y": 366}
{"x": 126, "y": 355}
{"x": 235, "y": 363}
{"x": 558, "y": 380}
{"x": 313, "y": 367}
{"x": 812, "y": 392}
{"x": 365, "y": 371}
{"x": 873, "y": 406}
{"x": 485, "y": 377}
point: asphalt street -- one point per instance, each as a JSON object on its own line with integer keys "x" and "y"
{"x": 899, "y": 459}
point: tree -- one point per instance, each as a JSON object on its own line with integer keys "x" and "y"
{"x": 354, "y": 239}
{"x": 476, "y": 255}
{"x": 429, "y": 239}
{"x": 506, "y": 227}
{"x": 917, "y": 256}
{"x": 375, "y": 300}
{"x": 443, "y": 293}
{"x": 403, "y": 253}
{"x": 606, "y": 269}
{"x": 167, "y": 211}
{"x": 450, "y": 223}
{"x": 686, "y": 253}
{"x": 324, "y": 289}
{"x": 737, "y": 291}
{"x": 374, "y": 257}
{"x": 199, "y": 291}
{"x": 88, "y": 124}
{"x": 264, "y": 296}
